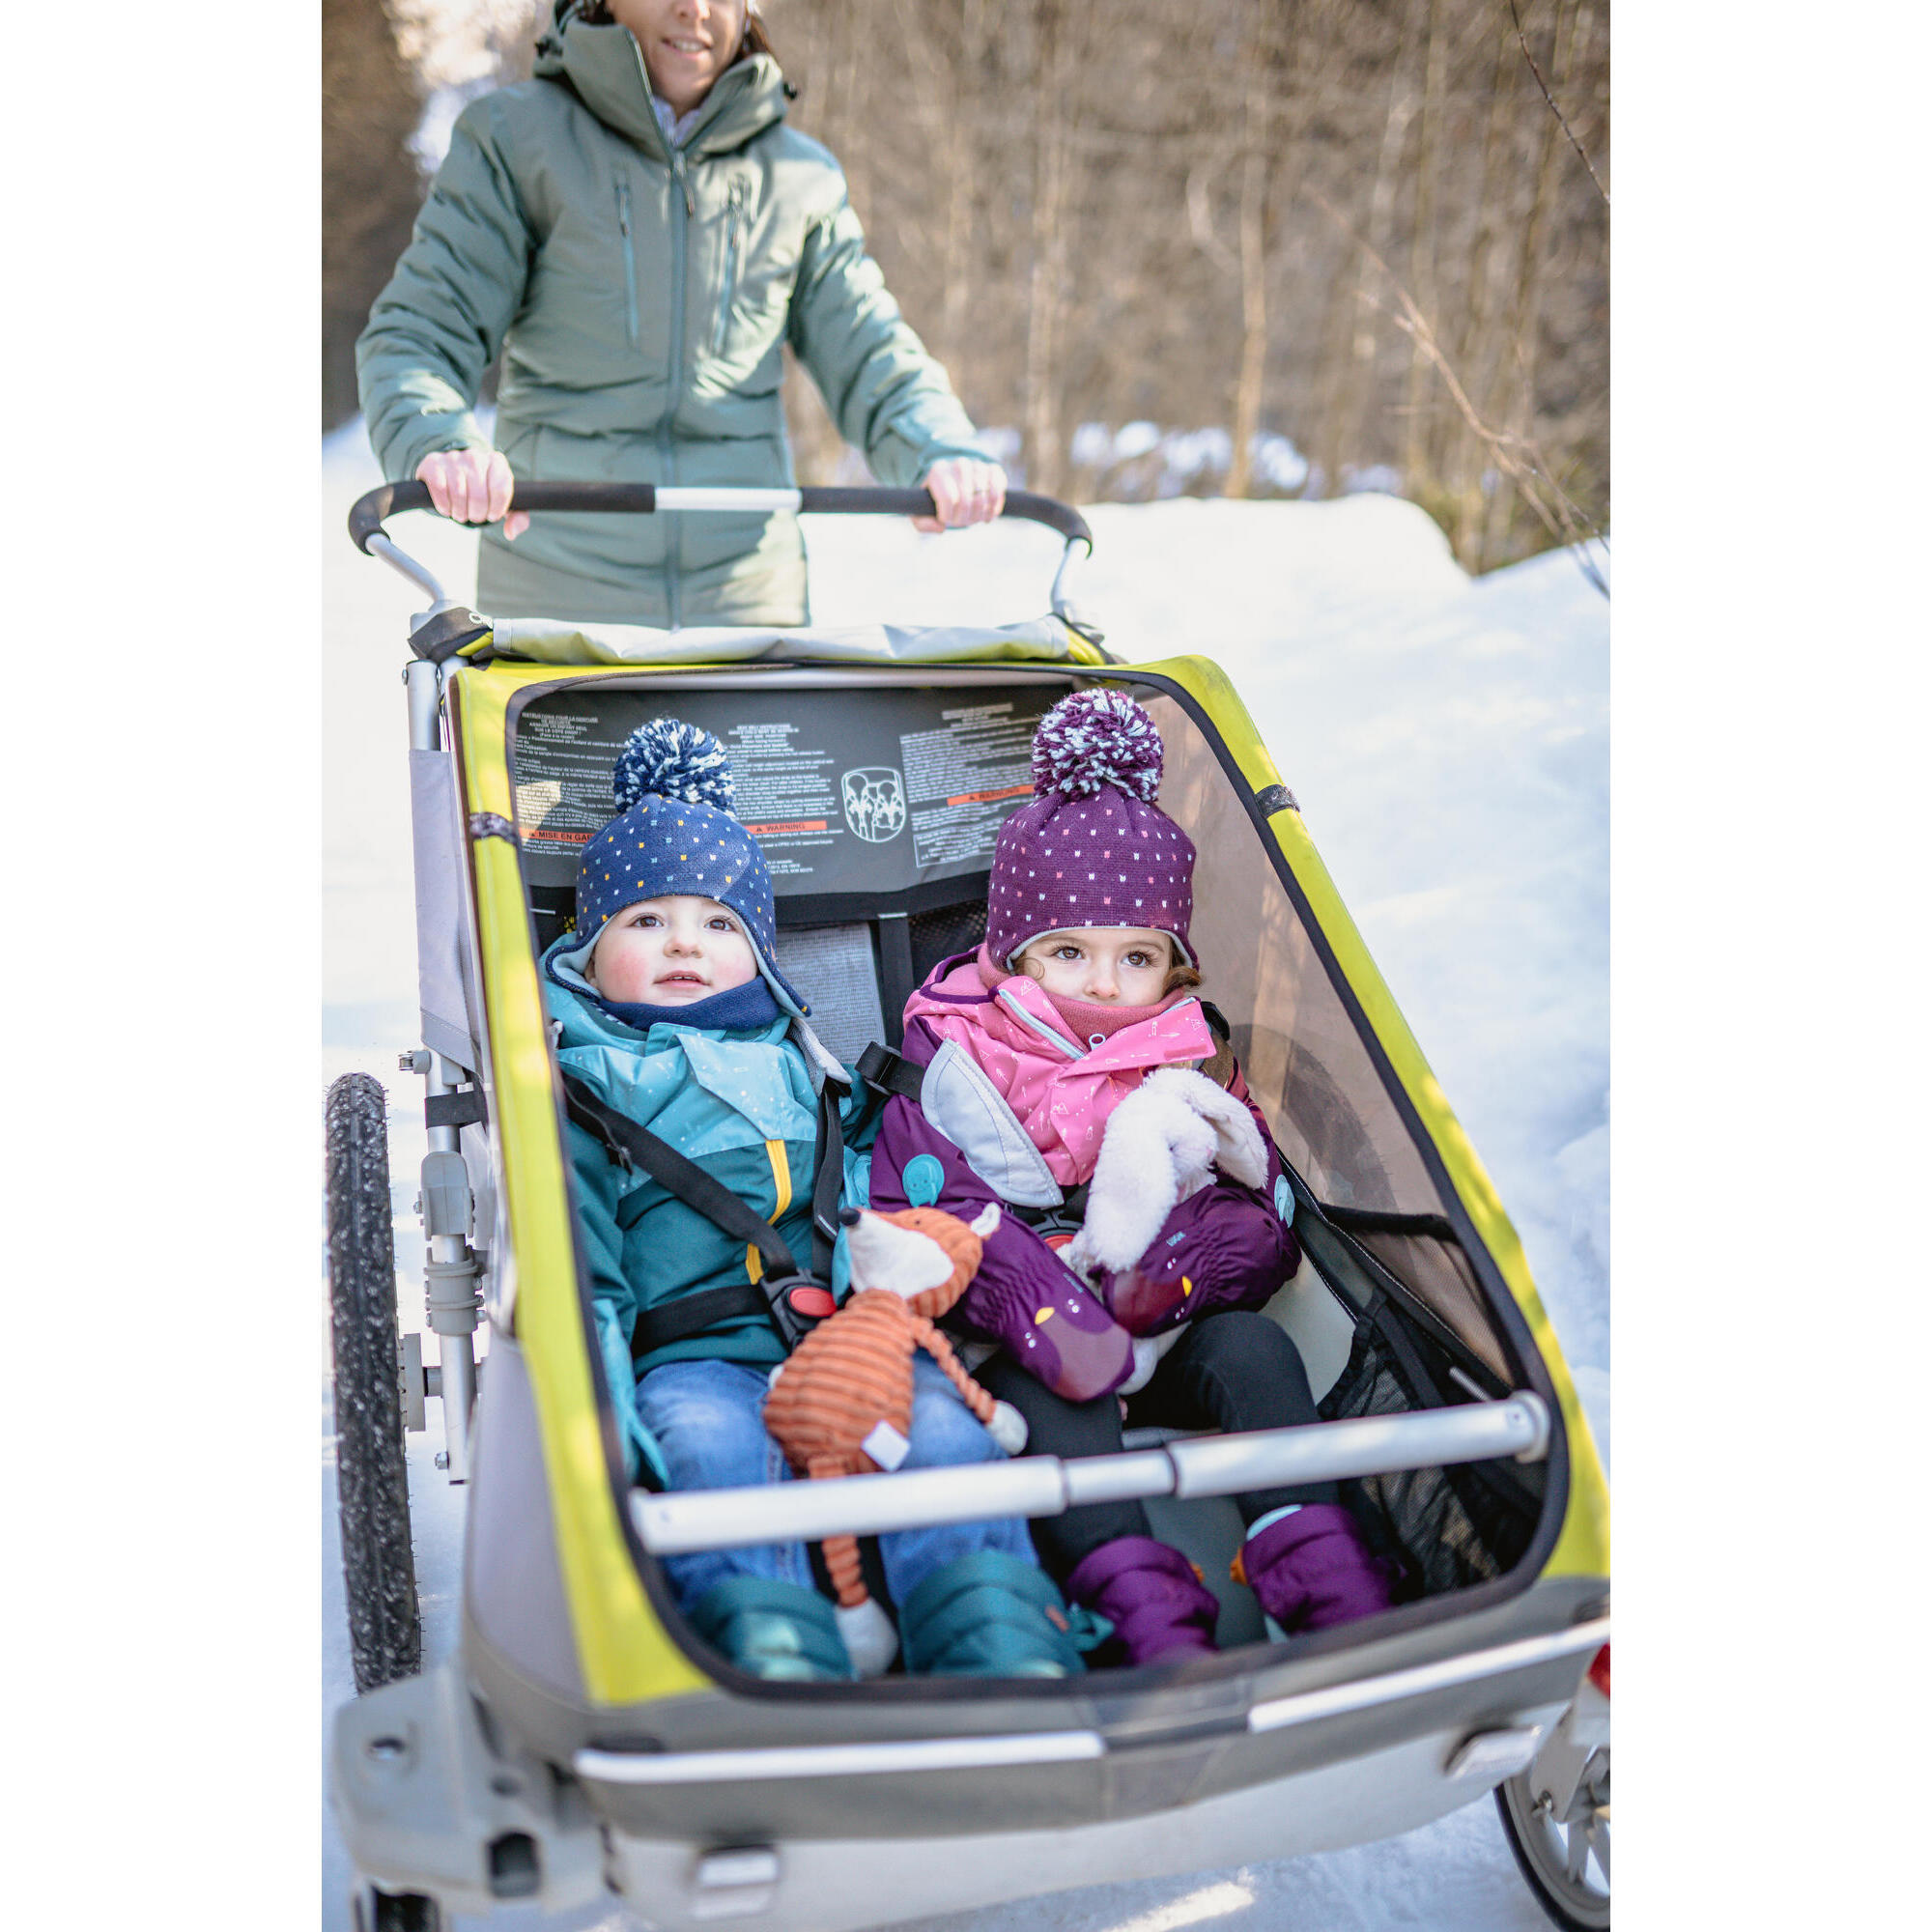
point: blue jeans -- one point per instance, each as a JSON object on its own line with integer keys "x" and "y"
{"x": 706, "y": 1419}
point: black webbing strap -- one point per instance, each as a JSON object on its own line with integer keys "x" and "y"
{"x": 828, "y": 1180}
{"x": 636, "y": 1147}
{"x": 1065, "y": 1219}
{"x": 459, "y": 1109}
{"x": 668, "y": 1322}
{"x": 888, "y": 1073}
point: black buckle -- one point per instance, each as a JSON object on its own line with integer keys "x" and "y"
{"x": 799, "y": 1303}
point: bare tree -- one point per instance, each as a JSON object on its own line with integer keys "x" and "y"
{"x": 1104, "y": 216}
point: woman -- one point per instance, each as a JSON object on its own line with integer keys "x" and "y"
{"x": 639, "y": 233}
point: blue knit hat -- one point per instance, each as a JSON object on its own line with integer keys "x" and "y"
{"x": 675, "y": 833}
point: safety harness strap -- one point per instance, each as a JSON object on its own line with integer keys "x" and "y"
{"x": 634, "y": 1147}
{"x": 888, "y": 1073}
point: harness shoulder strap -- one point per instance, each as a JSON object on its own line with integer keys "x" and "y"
{"x": 886, "y": 1073}
{"x": 635, "y": 1147}
{"x": 828, "y": 1180}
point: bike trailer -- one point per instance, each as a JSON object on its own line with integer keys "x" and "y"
{"x": 584, "y": 1742}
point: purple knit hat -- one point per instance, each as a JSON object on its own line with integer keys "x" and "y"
{"x": 1090, "y": 847}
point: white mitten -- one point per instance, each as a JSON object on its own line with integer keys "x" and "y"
{"x": 1238, "y": 1151}
{"x": 1158, "y": 1151}
{"x": 1007, "y": 1428}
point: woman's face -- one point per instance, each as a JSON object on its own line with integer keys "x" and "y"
{"x": 687, "y": 43}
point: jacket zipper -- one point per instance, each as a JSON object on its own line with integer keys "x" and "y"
{"x": 681, "y": 211}
{"x": 733, "y": 222}
{"x": 630, "y": 261}
{"x": 683, "y": 208}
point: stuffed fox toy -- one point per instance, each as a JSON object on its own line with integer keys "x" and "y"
{"x": 841, "y": 1405}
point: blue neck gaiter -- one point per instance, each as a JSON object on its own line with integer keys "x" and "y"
{"x": 738, "y": 1010}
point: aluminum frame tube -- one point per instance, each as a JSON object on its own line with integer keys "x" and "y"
{"x": 680, "y": 1522}
{"x": 418, "y": 573}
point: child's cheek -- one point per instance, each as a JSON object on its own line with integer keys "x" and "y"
{"x": 738, "y": 969}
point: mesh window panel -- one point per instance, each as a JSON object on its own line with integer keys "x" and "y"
{"x": 1447, "y": 1529}
{"x": 1305, "y": 1064}
{"x": 938, "y": 934}
{"x": 1439, "y": 1273}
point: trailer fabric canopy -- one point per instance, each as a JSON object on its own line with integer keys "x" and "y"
{"x": 551, "y": 641}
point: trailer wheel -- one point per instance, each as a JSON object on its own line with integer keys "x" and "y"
{"x": 372, "y": 1476}
{"x": 380, "y": 1911}
{"x": 1566, "y": 1861}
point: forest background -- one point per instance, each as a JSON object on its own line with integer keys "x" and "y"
{"x": 1242, "y": 247}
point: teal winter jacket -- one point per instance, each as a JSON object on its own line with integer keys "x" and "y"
{"x": 641, "y": 294}
{"x": 743, "y": 1106}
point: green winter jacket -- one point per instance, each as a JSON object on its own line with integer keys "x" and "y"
{"x": 641, "y": 296}
{"x": 743, "y": 1106}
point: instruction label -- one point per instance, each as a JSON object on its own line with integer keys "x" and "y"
{"x": 963, "y": 777}
{"x": 860, "y": 790}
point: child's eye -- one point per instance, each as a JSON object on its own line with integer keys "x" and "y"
{"x": 647, "y": 919}
{"x": 1066, "y": 953}
{"x": 721, "y": 924}
{"x": 1140, "y": 959}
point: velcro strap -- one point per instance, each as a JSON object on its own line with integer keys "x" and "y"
{"x": 460, "y": 1109}
{"x": 885, "y": 1071}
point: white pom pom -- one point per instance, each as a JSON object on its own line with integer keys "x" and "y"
{"x": 673, "y": 760}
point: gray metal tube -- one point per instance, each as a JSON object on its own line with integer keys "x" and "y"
{"x": 1224, "y": 1465}
{"x": 678, "y": 1522}
{"x": 419, "y": 574}
{"x": 424, "y": 683}
{"x": 685, "y": 1519}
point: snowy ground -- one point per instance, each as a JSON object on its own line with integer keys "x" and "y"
{"x": 1447, "y": 740}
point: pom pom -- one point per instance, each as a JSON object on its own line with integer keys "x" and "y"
{"x": 674, "y": 760}
{"x": 1097, "y": 738}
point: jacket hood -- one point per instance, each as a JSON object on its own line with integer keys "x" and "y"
{"x": 605, "y": 68}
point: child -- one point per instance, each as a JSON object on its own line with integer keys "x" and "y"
{"x": 1078, "y": 1002}
{"x": 669, "y": 1006}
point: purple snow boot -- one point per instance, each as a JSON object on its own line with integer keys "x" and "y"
{"x": 1311, "y": 1570}
{"x": 1151, "y": 1596}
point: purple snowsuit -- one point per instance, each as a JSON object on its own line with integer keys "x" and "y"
{"x": 1068, "y": 1345}
{"x": 1226, "y": 1242}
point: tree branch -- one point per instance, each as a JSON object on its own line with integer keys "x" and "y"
{"x": 1523, "y": 42}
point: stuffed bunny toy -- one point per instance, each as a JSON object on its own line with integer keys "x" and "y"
{"x": 841, "y": 1405}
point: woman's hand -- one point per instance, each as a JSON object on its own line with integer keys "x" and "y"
{"x": 964, "y": 491}
{"x": 474, "y": 486}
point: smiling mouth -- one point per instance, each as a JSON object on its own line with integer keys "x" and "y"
{"x": 680, "y": 980}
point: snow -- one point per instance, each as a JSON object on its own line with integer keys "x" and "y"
{"x": 1447, "y": 740}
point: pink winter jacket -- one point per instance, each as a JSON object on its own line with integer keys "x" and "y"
{"x": 1061, "y": 1091}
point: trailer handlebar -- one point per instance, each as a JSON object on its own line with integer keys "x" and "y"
{"x": 366, "y": 517}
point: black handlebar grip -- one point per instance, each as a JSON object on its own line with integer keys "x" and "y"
{"x": 366, "y": 516}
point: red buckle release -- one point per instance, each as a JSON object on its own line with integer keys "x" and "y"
{"x": 813, "y": 1303}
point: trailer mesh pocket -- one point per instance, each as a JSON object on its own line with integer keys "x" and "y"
{"x": 1447, "y": 1529}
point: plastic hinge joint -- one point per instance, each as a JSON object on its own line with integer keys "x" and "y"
{"x": 1274, "y": 798}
